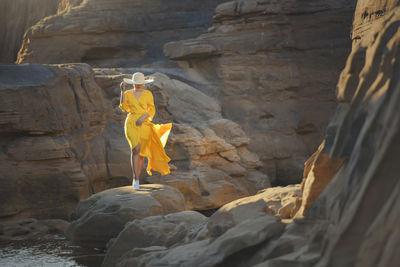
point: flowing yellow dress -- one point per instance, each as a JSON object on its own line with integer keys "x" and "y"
{"x": 152, "y": 137}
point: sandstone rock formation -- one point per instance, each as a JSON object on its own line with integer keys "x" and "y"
{"x": 16, "y": 16}
{"x": 367, "y": 14}
{"x": 63, "y": 140}
{"x": 52, "y": 118}
{"x": 272, "y": 65}
{"x": 106, "y": 33}
{"x": 318, "y": 172}
{"x": 353, "y": 222}
{"x": 282, "y": 202}
{"x": 162, "y": 231}
{"x": 192, "y": 231}
{"x": 209, "y": 153}
{"x": 103, "y": 215}
{"x": 210, "y": 252}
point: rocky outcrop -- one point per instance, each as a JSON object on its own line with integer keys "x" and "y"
{"x": 16, "y": 16}
{"x": 30, "y": 229}
{"x": 161, "y": 231}
{"x": 105, "y": 33}
{"x": 282, "y": 202}
{"x": 64, "y": 133}
{"x": 272, "y": 65}
{"x": 209, "y": 252}
{"x": 367, "y": 14}
{"x": 103, "y": 215}
{"x": 53, "y": 153}
{"x": 259, "y": 59}
{"x": 211, "y": 163}
{"x": 353, "y": 220}
{"x": 187, "y": 229}
{"x": 318, "y": 172}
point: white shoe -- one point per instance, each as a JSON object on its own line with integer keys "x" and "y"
{"x": 136, "y": 184}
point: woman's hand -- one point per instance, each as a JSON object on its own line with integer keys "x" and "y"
{"x": 141, "y": 119}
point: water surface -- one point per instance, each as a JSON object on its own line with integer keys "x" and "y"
{"x": 43, "y": 252}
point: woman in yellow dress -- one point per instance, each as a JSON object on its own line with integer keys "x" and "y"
{"x": 145, "y": 138}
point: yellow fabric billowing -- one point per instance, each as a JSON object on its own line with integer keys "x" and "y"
{"x": 152, "y": 137}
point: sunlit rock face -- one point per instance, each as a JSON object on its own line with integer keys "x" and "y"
{"x": 16, "y": 16}
{"x": 273, "y": 65}
{"x": 114, "y": 33}
{"x": 367, "y": 13}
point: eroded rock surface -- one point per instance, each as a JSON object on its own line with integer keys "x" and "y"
{"x": 162, "y": 231}
{"x": 272, "y": 65}
{"x": 103, "y": 215}
{"x": 108, "y": 33}
{"x": 17, "y": 16}
{"x": 53, "y": 154}
{"x": 211, "y": 163}
{"x": 353, "y": 220}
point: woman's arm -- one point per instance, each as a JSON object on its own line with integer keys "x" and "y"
{"x": 123, "y": 103}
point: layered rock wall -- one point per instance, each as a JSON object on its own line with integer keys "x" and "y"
{"x": 274, "y": 67}
{"x": 53, "y": 152}
{"x": 16, "y": 16}
{"x": 353, "y": 220}
{"x": 114, "y": 33}
{"x": 62, "y": 138}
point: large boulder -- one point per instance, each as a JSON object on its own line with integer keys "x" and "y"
{"x": 103, "y": 215}
{"x": 162, "y": 231}
{"x": 210, "y": 252}
{"x": 282, "y": 202}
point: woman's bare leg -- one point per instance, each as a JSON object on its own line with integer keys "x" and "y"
{"x": 141, "y": 161}
{"x": 136, "y": 160}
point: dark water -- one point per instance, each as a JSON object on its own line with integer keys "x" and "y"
{"x": 54, "y": 252}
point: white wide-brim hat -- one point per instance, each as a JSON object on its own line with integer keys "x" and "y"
{"x": 139, "y": 78}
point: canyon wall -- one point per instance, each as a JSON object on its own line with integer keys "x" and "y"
{"x": 353, "y": 220}
{"x": 16, "y": 16}
{"x": 273, "y": 66}
{"x": 114, "y": 33}
{"x": 62, "y": 139}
